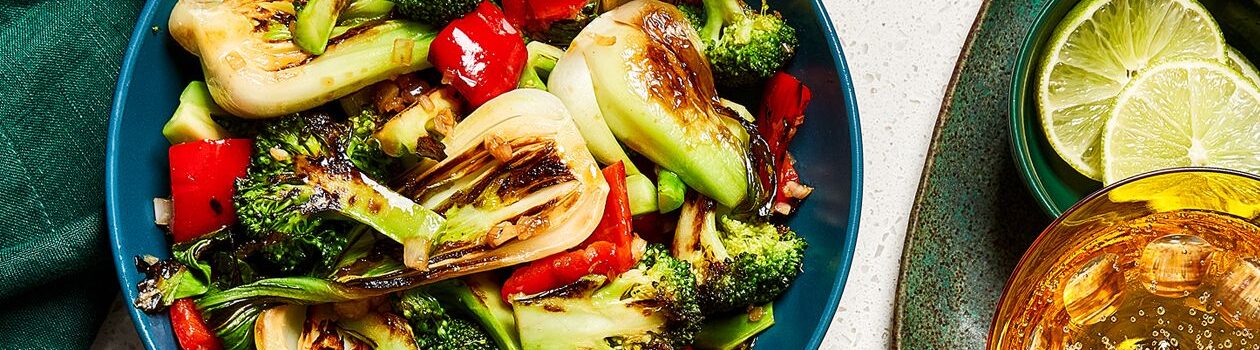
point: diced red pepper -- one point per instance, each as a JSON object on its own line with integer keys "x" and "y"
{"x": 481, "y": 54}
{"x": 610, "y": 250}
{"x": 655, "y": 227}
{"x": 616, "y": 226}
{"x": 538, "y": 15}
{"x": 782, "y": 112}
{"x": 203, "y": 178}
{"x": 190, "y": 329}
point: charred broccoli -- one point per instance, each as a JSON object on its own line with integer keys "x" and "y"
{"x": 652, "y": 306}
{"x": 694, "y": 14}
{"x": 435, "y": 12}
{"x": 745, "y": 46}
{"x": 436, "y": 326}
{"x": 310, "y": 164}
{"x": 738, "y": 264}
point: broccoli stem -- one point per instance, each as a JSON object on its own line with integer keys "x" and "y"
{"x": 314, "y": 24}
{"x": 479, "y": 296}
{"x": 669, "y": 190}
{"x": 642, "y": 193}
{"x": 697, "y": 232}
{"x": 360, "y": 198}
{"x": 360, "y": 11}
{"x": 718, "y": 14}
{"x": 730, "y": 332}
{"x": 542, "y": 59}
{"x": 192, "y": 119}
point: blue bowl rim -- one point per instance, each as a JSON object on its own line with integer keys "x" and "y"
{"x": 113, "y": 145}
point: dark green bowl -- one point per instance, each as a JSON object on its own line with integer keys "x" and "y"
{"x": 1054, "y": 184}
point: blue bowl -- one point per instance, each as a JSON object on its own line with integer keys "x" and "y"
{"x": 828, "y": 147}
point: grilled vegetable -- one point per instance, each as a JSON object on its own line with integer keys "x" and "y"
{"x": 655, "y": 93}
{"x": 303, "y": 168}
{"x": 734, "y": 331}
{"x": 745, "y": 46}
{"x": 481, "y": 54}
{"x": 652, "y": 306}
{"x": 517, "y": 184}
{"x": 192, "y": 119}
{"x": 738, "y": 264}
{"x": 570, "y": 81}
{"x": 253, "y": 75}
{"x": 609, "y": 251}
{"x": 436, "y": 12}
{"x": 202, "y": 178}
{"x": 553, "y": 21}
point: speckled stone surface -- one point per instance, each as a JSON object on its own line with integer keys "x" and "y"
{"x": 973, "y": 218}
{"x": 901, "y": 54}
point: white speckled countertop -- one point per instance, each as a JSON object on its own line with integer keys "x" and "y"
{"x": 901, "y": 55}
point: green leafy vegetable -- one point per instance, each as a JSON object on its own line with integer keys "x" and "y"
{"x": 652, "y": 306}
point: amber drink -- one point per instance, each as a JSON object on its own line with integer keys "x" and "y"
{"x": 1166, "y": 261}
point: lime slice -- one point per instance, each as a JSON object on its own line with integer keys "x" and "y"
{"x": 1186, "y": 113}
{"x": 1094, "y": 53}
{"x": 1238, "y": 62}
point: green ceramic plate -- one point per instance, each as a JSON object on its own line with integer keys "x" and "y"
{"x": 1054, "y": 184}
{"x": 973, "y": 217}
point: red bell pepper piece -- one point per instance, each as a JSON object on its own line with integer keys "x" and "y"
{"x": 190, "y": 329}
{"x": 616, "y": 226}
{"x": 610, "y": 250}
{"x": 538, "y": 15}
{"x": 203, "y": 178}
{"x": 782, "y": 112}
{"x": 481, "y": 54}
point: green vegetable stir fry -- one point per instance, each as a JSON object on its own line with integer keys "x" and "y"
{"x": 451, "y": 174}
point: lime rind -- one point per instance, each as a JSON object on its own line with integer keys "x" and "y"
{"x": 1093, "y": 55}
{"x": 1183, "y": 113}
{"x": 1237, "y": 61}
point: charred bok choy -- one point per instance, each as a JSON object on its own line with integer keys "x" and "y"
{"x": 518, "y": 185}
{"x": 255, "y": 69}
{"x": 652, "y": 306}
{"x": 638, "y": 69}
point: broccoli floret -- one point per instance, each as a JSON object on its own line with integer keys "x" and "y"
{"x": 477, "y": 297}
{"x": 308, "y": 165}
{"x": 738, "y": 264}
{"x": 744, "y": 46}
{"x": 316, "y": 251}
{"x": 652, "y": 306}
{"x": 436, "y": 327}
{"x": 435, "y": 12}
{"x": 694, "y": 14}
{"x": 364, "y": 151}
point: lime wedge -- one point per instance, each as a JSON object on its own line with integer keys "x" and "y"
{"x": 1238, "y": 62}
{"x": 1096, "y": 50}
{"x": 1184, "y": 113}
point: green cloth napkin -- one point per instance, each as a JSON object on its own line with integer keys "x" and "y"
{"x": 59, "y": 60}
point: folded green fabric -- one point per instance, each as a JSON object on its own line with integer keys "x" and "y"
{"x": 59, "y": 60}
